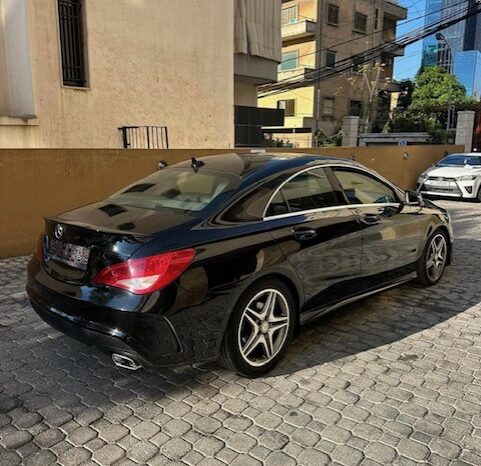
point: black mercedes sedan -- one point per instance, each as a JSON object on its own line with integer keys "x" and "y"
{"x": 224, "y": 257}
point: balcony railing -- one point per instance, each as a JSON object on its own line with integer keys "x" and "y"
{"x": 299, "y": 30}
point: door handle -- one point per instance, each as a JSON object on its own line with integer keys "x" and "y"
{"x": 304, "y": 234}
{"x": 371, "y": 219}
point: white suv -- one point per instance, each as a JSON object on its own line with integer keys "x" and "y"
{"x": 457, "y": 175}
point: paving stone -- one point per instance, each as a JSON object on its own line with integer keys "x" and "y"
{"x": 393, "y": 379}
{"x": 175, "y": 448}
{"x": 48, "y": 438}
{"x": 74, "y": 456}
{"x": 141, "y": 452}
{"x": 16, "y": 439}
{"x": 108, "y": 454}
{"x": 82, "y": 435}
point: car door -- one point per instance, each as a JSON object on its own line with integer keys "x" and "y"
{"x": 391, "y": 233}
{"x": 319, "y": 234}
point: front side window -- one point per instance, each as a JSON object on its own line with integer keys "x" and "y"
{"x": 71, "y": 32}
{"x": 177, "y": 189}
{"x": 308, "y": 190}
{"x": 361, "y": 188}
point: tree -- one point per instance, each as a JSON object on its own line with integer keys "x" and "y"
{"x": 435, "y": 87}
{"x": 406, "y": 93}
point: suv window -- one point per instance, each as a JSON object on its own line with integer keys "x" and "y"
{"x": 361, "y": 188}
{"x": 308, "y": 190}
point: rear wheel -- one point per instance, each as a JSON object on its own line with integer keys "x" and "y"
{"x": 260, "y": 329}
{"x": 431, "y": 266}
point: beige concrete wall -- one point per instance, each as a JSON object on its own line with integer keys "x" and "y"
{"x": 149, "y": 64}
{"x": 245, "y": 94}
{"x": 38, "y": 183}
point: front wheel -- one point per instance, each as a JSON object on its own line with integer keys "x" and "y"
{"x": 478, "y": 197}
{"x": 260, "y": 329}
{"x": 431, "y": 266}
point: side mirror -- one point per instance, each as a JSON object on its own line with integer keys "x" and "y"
{"x": 413, "y": 198}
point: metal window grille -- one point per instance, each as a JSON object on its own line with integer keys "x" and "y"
{"x": 71, "y": 42}
{"x": 145, "y": 137}
{"x": 360, "y": 22}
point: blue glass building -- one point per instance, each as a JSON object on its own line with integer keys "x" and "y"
{"x": 455, "y": 41}
{"x": 467, "y": 67}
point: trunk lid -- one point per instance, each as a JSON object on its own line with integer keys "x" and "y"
{"x": 80, "y": 243}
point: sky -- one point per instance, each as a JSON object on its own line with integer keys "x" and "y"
{"x": 407, "y": 66}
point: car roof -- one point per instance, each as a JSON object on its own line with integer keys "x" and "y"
{"x": 252, "y": 167}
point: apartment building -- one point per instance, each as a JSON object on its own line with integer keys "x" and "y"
{"x": 320, "y": 33}
{"x": 137, "y": 74}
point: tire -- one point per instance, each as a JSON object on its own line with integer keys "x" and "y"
{"x": 429, "y": 274}
{"x": 478, "y": 197}
{"x": 249, "y": 324}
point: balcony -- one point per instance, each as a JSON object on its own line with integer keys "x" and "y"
{"x": 298, "y": 72}
{"x": 394, "y": 11}
{"x": 299, "y": 30}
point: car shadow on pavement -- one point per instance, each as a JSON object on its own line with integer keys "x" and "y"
{"x": 40, "y": 361}
{"x": 388, "y": 317}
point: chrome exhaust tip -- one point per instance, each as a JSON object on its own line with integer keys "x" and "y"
{"x": 125, "y": 362}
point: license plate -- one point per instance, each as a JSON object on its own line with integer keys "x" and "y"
{"x": 438, "y": 183}
{"x": 70, "y": 254}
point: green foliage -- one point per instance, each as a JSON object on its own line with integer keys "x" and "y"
{"x": 426, "y": 109}
{"x": 321, "y": 139}
{"x": 407, "y": 88}
{"x": 435, "y": 87}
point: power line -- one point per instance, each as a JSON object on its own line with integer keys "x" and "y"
{"x": 364, "y": 36}
{"x": 368, "y": 55}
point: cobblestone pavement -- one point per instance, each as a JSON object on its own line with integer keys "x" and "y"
{"x": 394, "y": 379}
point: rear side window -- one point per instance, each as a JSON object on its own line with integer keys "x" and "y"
{"x": 308, "y": 190}
{"x": 179, "y": 189}
{"x": 361, "y": 188}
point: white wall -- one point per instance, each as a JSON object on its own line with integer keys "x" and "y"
{"x": 17, "y": 58}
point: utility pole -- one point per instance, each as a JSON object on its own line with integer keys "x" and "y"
{"x": 317, "y": 85}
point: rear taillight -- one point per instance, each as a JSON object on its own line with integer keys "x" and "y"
{"x": 39, "y": 248}
{"x": 146, "y": 275}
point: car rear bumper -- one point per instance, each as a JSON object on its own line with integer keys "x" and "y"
{"x": 149, "y": 340}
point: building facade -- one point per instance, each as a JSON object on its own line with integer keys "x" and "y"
{"x": 89, "y": 73}
{"x": 448, "y": 48}
{"x": 318, "y": 34}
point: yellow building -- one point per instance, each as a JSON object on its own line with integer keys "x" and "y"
{"x": 317, "y": 34}
{"x": 72, "y": 72}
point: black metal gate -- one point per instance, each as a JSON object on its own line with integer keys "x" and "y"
{"x": 145, "y": 137}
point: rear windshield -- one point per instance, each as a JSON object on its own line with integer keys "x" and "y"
{"x": 180, "y": 189}
{"x": 459, "y": 160}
